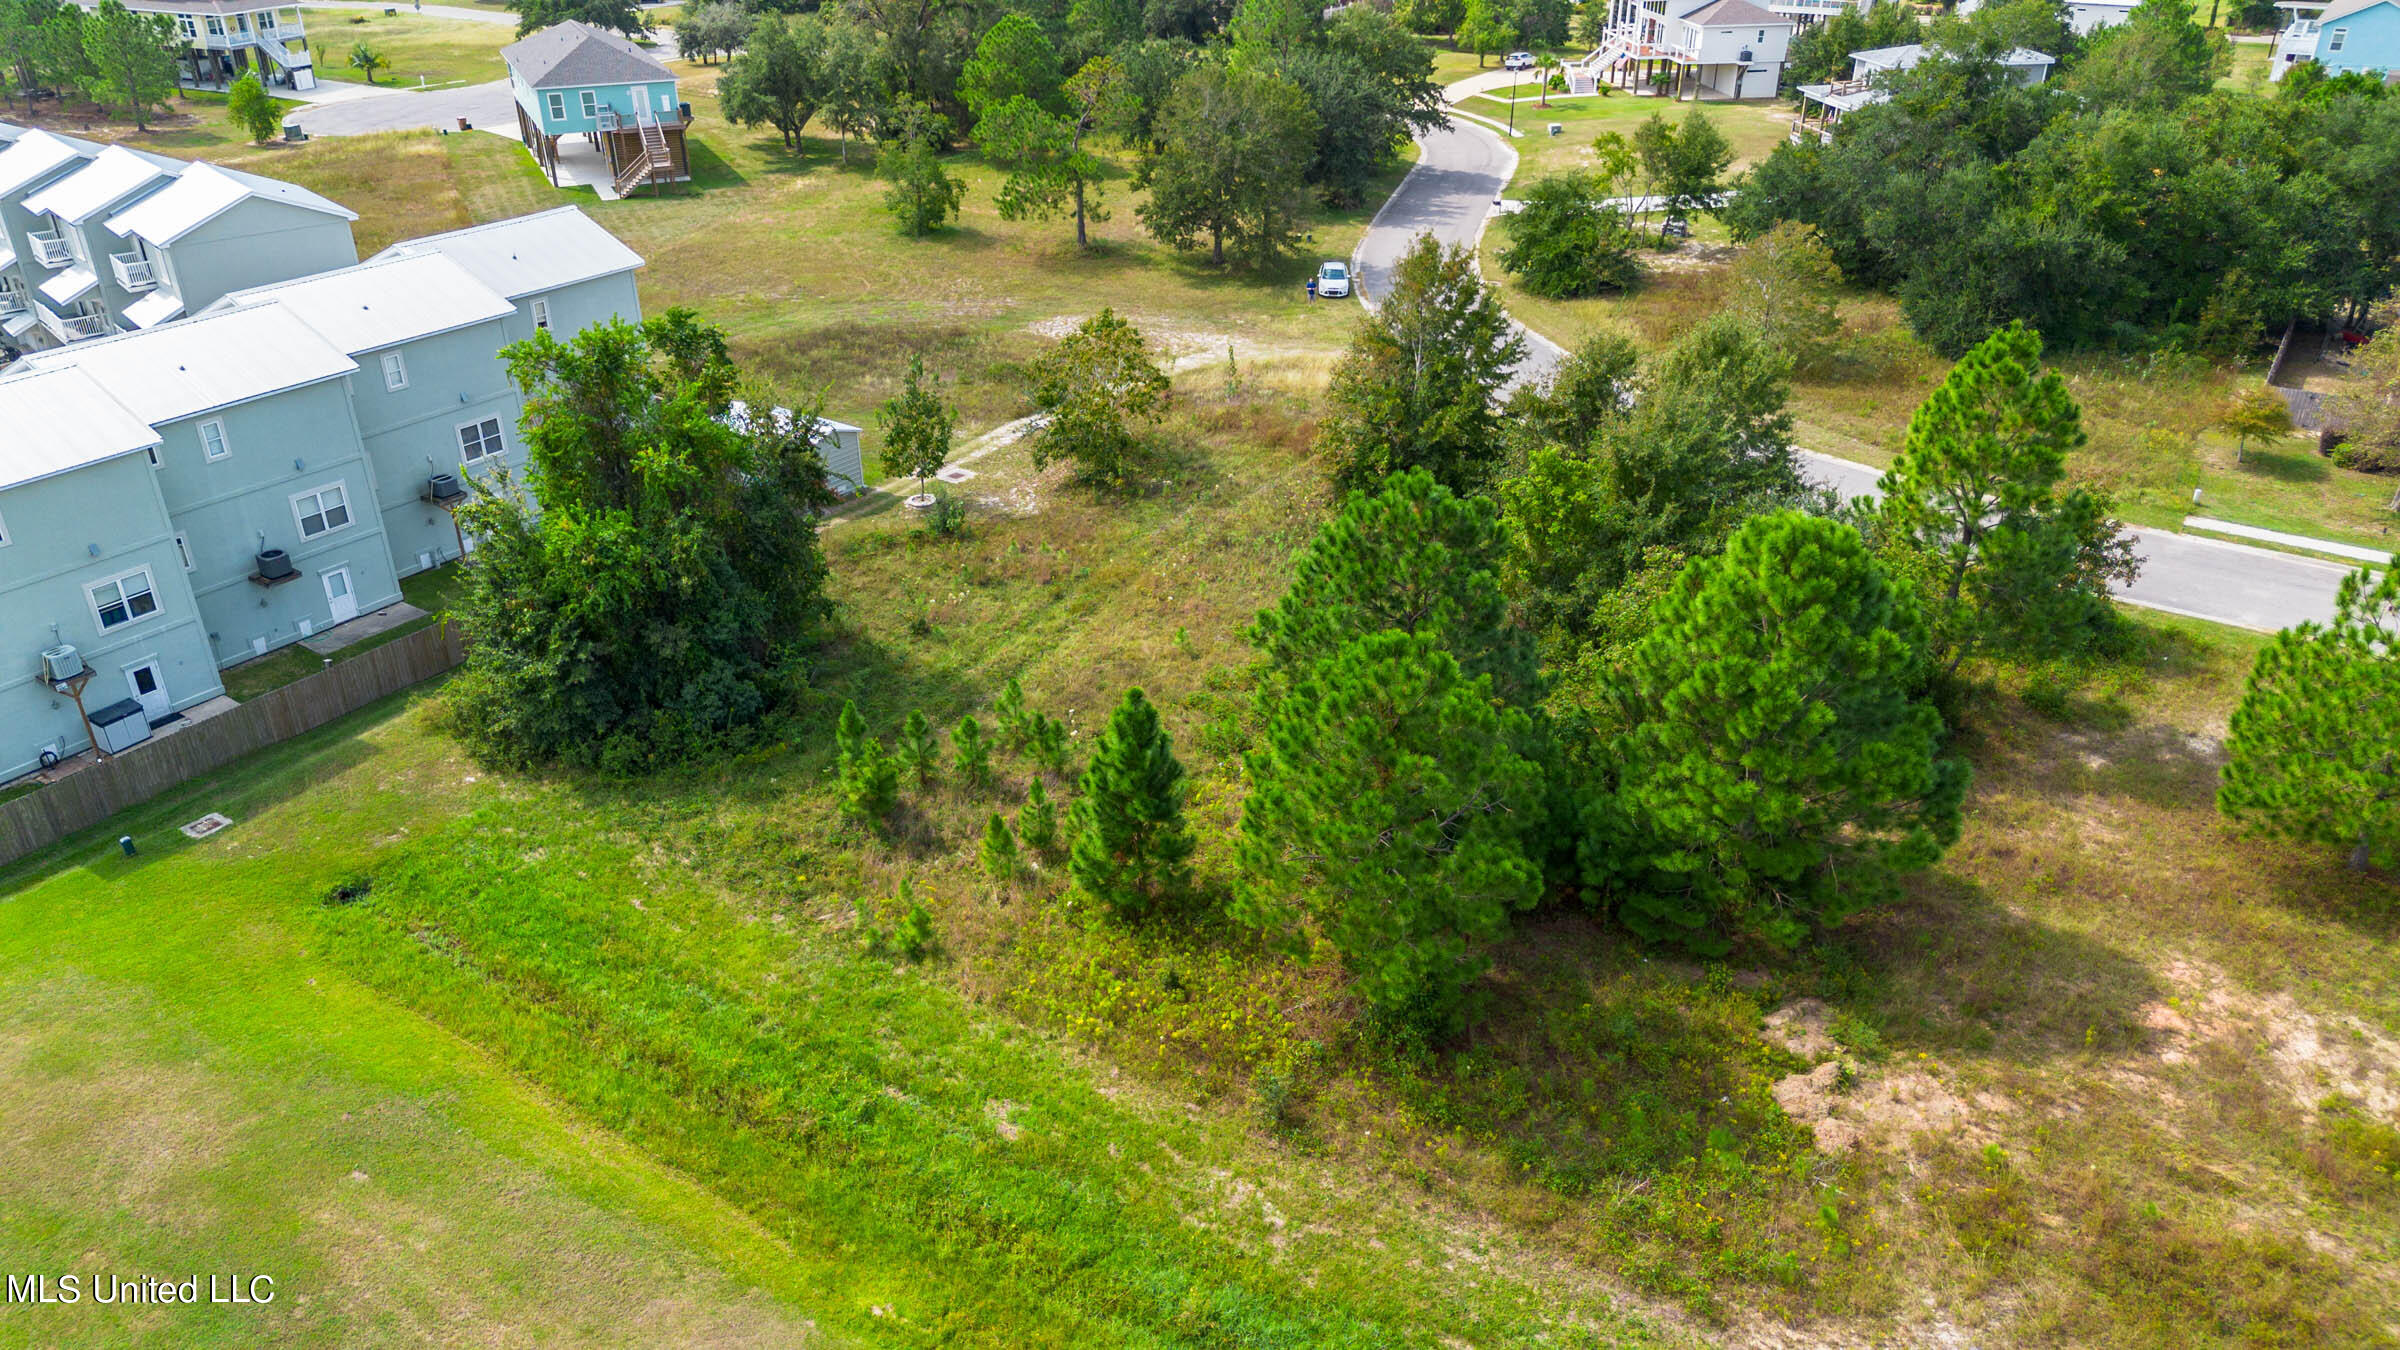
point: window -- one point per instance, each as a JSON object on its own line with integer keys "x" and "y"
{"x": 212, "y": 440}
{"x": 395, "y": 372}
{"x": 479, "y": 440}
{"x": 2340, "y": 38}
{"x": 3, "y": 534}
{"x": 120, "y": 600}
{"x": 216, "y": 26}
{"x": 322, "y": 511}
{"x": 541, "y": 313}
{"x": 666, "y": 100}
{"x": 183, "y": 552}
{"x": 558, "y": 105}
{"x": 190, "y": 29}
{"x": 152, "y": 452}
{"x": 591, "y": 104}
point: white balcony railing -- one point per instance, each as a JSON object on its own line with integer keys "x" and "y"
{"x": 76, "y": 327}
{"x": 134, "y": 272}
{"x": 50, "y": 250}
{"x": 13, "y": 302}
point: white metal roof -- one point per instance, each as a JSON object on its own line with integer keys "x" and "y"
{"x": 153, "y": 309}
{"x": 210, "y": 361}
{"x": 527, "y": 255}
{"x": 35, "y": 153}
{"x": 203, "y": 192}
{"x": 69, "y": 286}
{"x": 386, "y": 301}
{"x": 113, "y": 175}
{"x": 76, "y": 422}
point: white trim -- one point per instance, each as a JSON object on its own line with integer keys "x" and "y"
{"x": 395, "y": 372}
{"x": 91, "y": 595}
{"x": 152, "y": 452}
{"x": 554, "y": 104}
{"x": 224, "y": 448}
{"x": 499, "y": 439}
{"x": 589, "y": 103}
{"x": 349, "y": 515}
{"x": 540, "y": 306}
{"x": 4, "y": 535}
{"x": 183, "y": 551}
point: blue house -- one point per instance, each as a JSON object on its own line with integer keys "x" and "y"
{"x": 572, "y": 80}
{"x": 2345, "y": 36}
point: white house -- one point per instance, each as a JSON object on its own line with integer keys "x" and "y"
{"x": 223, "y": 40}
{"x": 2084, "y": 17}
{"x": 1822, "y": 106}
{"x": 1723, "y": 49}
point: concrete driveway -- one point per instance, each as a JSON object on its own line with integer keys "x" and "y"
{"x": 487, "y": 106}
{"x": 1451, "y": 194}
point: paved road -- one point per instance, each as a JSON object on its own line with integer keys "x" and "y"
{"x": 1460, "y": 172}
{"x": 484, "y": 105}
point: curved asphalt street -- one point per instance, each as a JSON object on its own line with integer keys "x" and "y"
{"x": 1460, "y": 172}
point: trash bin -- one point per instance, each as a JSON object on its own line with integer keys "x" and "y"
{"x": 465, "y": 125}
{"x": 120, "y": 726}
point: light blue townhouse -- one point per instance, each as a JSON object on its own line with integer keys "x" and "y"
{"x": 94, "y": 595}
{"x": 2344, "y": 37}
{"x": 100, "y": 239}
{"x": 433, "y": 406}
{"x": 572, "y": 80}
{"x": 559, "y": 268}
{"x": 261, "y": 468}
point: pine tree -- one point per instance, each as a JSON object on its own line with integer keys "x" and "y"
{"x": 1974, "y": 498}
{"x": 916, "y": 750}
{"x": 1131, "y": 847}
{"x": 870, "y": 778}
{"x": 999, "y": 851}
{"x": 2313, "y": 753}
{"x": 1037, "y": 820}
{"x": 1046, "y": 742}
{"x": 1412, "y": 556}
{"x": 1391, "y": 804}
{"x": 1008, "y": 713}
{"x": 1777, "y": 768}
{"x": 973, "y": 752}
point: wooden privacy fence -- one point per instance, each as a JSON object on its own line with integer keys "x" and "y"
{"x": 98, "y": 791}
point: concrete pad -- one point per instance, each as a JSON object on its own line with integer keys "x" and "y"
{"x": 361, "y": 628}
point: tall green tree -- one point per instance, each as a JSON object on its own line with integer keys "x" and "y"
{"x": 1416, "y": 388}
{"x": 663, "y": 598}
{"x": 1050, "y": 167}
{"x": 2157, "y": 58}
{"x": 916, "y": 427}
{"x": 132, "y": 59}
{"x": 621, "y": 16}
{"x": 850, "y": 77}
{"x": 1013, "y": 60}
{"x": 713, "y": 30}
{"x": 1390, "y": 803}
{"x": 1783, "y": 284}
{"x": 2313, "y": 752}
{"x": 1684, "y": 167}
{"x": 775, "y": 80}
{"x": 250, "y": 107}
{"x": 1484, "y": 27}
{"x": 1088, "y": 387}
{"x": 921, "y": 195}
{"x": 1132, "y": 850}
{"x": 1570, "y": 240}
{"x": 1410, "y": 557}
{"x": 1975, "y": 507}
{"x": 1777, "y": 768}
{"x": 2255, "y": 414}
{"x": 1234, "y": 147}
{"x": 1265, "y": 33}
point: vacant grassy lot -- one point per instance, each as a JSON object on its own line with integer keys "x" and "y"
{"x": 419, "y": 51}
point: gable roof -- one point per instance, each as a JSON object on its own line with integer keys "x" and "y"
{"x": 113, "y": 175}
{"x": 81, "y": 424}
{"x": 527, "y": 255}
{"x": 377, "y": 304}
{"x": 2343, "y": 9}
{"x": 1732, "y": 14}
{"x": 35, "y": 153}
{"x": 190, "y": 366}
{"x": 575, "y": 54}
{"x": 203, "y": 192}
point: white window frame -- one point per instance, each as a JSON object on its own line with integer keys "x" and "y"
{"x": 555, "y": 102}
{"x": 499, "y": 440}
{"x": 395, "y": 372}
{"x": 590, "y": 103}
{"x": 4, "y": 535}
{"x": 151, "y": 452}
{"x": 541, "y": 312}
{"x": 317, "y": 494}
{"x": 91, "y": 595}
{"x": 2336, "y": 40}
{"x": 224, "y": 448}
{"x": 183, "y": 551}
{"x": 188, "y": 26}
{"x": 666, "y": 100}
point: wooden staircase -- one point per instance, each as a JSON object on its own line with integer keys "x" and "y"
{"x": 656, "y": 162}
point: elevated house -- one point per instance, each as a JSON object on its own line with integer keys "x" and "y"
{"x": 219, "y": 41}
{"x": 1722, "y": 49}
{"x": 1822, "y": 106}
{"x": 571, "y": 81}
{"x": 2084, "y": 17}
{"x": 2344, "y": 37}
{"x": 99, "y": 239}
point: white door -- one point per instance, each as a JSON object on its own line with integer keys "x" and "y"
{"x": 151, "y": 690}
{"x": 339, "y": 595}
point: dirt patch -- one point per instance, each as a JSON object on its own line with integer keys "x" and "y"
{"x": 2309, "y": 1056}
{"x": 1885, "y": 1111}
{"x": 998, "y": 1112}
{"x": 1803, "y": 1027}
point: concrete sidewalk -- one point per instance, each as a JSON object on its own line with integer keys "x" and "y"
{"x": 2354, "y": 552}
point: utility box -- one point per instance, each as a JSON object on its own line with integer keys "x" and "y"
{"x": 61, "y": 663}
{"x": 120, "y": 726}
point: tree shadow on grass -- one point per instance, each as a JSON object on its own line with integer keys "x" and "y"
{"x": 2285, "y": 466}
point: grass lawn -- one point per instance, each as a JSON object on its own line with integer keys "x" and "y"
{"x": 418, "y": 49}
{"x": 430, "y": 591}
{"x": 193, "y": 125}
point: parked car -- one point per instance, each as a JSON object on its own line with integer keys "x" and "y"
{"x": 1333, "y": 280}
{"x": 1518, "y": 61}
